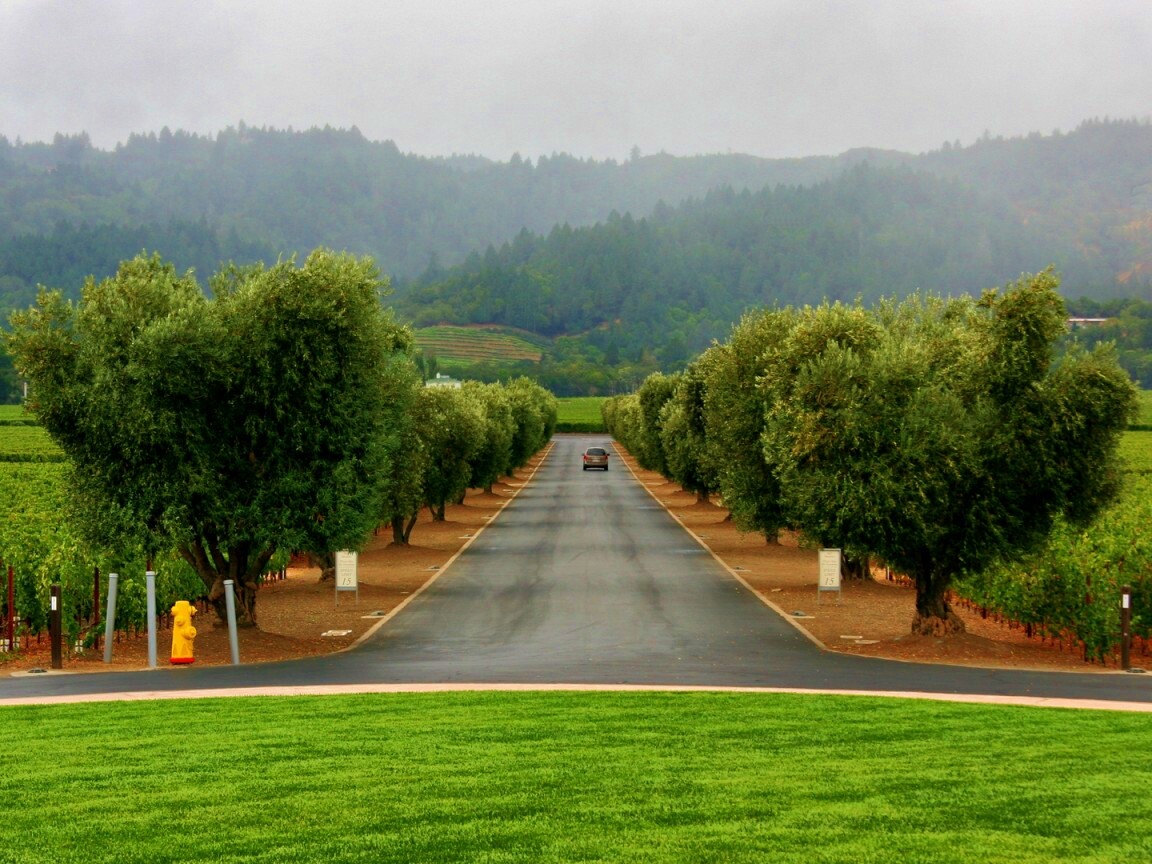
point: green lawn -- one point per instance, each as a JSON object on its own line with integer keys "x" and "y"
{"x": 529, "y": 777}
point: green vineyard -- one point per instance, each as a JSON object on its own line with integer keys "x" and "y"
{"x": 580, "y": 414}
{"x": 463, "y": 346}
{"x": 1069, "y": 591}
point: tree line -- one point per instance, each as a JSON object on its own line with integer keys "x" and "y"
{"x": 282, "y": 413}
{"x": 939, "y": 436}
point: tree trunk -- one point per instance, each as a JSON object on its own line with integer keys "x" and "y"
{"x": 934, "y": 617}
{"x": 438, "y": 511}
{"x": 854, "y": 568}
{"x": 402, "y": 530}
{"x": 702, "y": 497}
{"x": 327, "y": 565}
{"x": 245, "y": 596}
{"x": 240, "y": 564}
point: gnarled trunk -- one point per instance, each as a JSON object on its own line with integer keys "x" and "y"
{"x": 244, "y": 594}
{"x": 402, "y": 530}
{"x": 854, "y": 568}
{"x": 327, "y": 565}
{"x": 240, "y": 564}
{"x": 934, "y": 617}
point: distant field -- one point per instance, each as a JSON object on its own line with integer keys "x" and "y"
{"x": 15, "y": 414}
{"x": 580, "y": 414}
{"x": 1145, "y": 416}
{"x": 1136, "y": 450}
{"x": 23, "y": 441}
{"x": 27, "y": 444}
{"x": 465, "y": 345}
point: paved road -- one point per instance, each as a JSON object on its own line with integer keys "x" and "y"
{"x": 585, "y": 579}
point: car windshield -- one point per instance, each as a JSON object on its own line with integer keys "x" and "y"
{"x": 597, "y": 451}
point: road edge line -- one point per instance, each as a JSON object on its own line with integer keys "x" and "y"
{"x": 811, "y": 637}
{"x": 400, "y": 607}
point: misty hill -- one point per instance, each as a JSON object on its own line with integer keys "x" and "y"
{"x": 67, "y": 208}
{"x": 671, "y": 282}
{"x": 68, "y": 205}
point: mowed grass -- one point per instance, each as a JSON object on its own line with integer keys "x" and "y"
{"x": 543, "y": 777}
{"x": 475, "y": 345}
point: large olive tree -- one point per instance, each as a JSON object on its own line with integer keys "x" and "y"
{"x": 941, "y": 436}
{"x": 734, "y": 419}
{"x": 226, "y": 427}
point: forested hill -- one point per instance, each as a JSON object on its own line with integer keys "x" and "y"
{"x": 673, "y": 281}
{"x": 68, "y": 209}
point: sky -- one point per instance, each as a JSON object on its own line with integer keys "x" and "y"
{"x": 593, "y": 78}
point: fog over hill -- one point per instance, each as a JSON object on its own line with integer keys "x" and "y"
{"x": 646, "y": 259}
{"x": 68, "y": 208}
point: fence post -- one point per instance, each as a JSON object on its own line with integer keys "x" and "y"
{"x": 150, "y": 583}
{"x": 95, "y": 597}
{"x": 110, "y": 618}
{"x": 230, "y": 608}
{"x": 54, "y": 629}
{"x": 11, "y": 623}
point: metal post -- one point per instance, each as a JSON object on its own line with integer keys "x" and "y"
{"x": 95, "y": 597}
{"x": 11, "y": 624}
{"x": 110, "y": 618}
{"x": 54, "y": 629}
{"x": 230, "y": 603}
{"x": 1125, "y": 627}
{"x": 150, "y": 584}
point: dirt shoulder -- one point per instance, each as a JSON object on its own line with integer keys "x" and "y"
{"x": 300, "y": 616}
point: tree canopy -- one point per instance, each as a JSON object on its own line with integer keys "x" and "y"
{"x": 228, "y": 427}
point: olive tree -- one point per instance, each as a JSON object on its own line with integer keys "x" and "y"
{"x": 734, "y": 418}
{"x": 941, "y": 436}
{"x": 534, "y": 412}
{"x": 683, "y": 437}
{"x": 226, "y": 428}
{"x": 653, "y": 393}
{"x": 491, "y": 459}
{"x": 451, "y": 426}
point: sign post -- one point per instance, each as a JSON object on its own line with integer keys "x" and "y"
{"x": 829, "y": 573}
{"x": 1125, "y": 627}
{"x": 55, "y": 630}
{"x": 346, "y": 575}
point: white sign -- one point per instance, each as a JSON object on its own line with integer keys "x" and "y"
{"x": 346, "y": 571}
{"x": 829, "y": 572}
{"x": 346, "y": 575}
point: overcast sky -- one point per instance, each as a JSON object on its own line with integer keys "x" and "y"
{"x": 587, "y": 77}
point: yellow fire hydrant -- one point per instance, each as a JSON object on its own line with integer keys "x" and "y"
{"x": 183, "y": 633}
